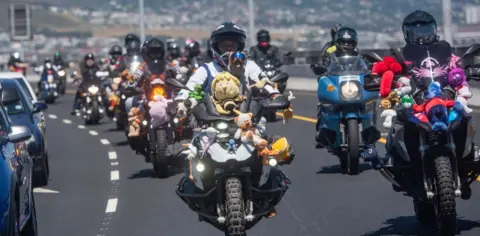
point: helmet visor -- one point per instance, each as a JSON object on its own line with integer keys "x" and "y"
{"x": 421, "y": 33}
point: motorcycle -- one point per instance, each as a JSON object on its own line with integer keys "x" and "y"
{"x": 271, "y": 69}
{"x": 160, "y": 127}
{"x": 124, "y": 91}
{"x": 48, "y": 89}
{"x": 228, "y": 185}
{"x": 62, "y": 79}
{"x": 346, "y": 122}
{"x": 441, "y": 169}
{"x": 91, "y": 105}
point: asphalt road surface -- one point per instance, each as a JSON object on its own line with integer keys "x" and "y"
{"x": 100, "y": 187}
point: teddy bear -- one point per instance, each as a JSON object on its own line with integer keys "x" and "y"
{"x": 135, "y": 118}
{"x": 458, "y": 80}
{"x": 158, "y": 111}
{"x": 246, "y": 134}
{"x": 226, "y": 93}
{"x": 113, "y": 101}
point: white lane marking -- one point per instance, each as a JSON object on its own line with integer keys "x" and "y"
{"x": 111, "y": 205}
{"x": 93, "y": 132}
{"x": 52, "y": 116}
{"x": 112, "y": 155}
{"x": 44, "y": 190}
{"x": 81, "y": 126}
{"x": 114, "y": 163}
{"x": 104, "y": 141}
{"x": 114, "y": 175}
{"x": 67, "y": 121}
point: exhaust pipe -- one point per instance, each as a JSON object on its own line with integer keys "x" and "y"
{"x": 389, "y": 177}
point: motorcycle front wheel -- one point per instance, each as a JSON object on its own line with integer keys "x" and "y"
{"x": 445, "y": 205}
{"x": 234, "y": 207}
{"x": 353, "y": 147}
{"x": 159, "y": 161}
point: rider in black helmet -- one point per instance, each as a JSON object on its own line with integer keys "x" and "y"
{"x": 327, "y": 48}
{"x": 114, "y": 54}
{"x": 132, "y": 45}
{"x": 87, "y": 75}
{"x": 173, "y": 51}
{"x": 264, "y": 50}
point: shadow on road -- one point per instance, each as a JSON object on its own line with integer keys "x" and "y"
{"x": 336, "y": 169}
{"x": 408, "y": 225}
{"x": 150, "y": 173}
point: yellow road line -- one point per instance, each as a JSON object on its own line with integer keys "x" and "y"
{"x": 311, "y": 120}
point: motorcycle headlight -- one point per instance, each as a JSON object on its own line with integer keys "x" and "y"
{"x": 269, "y": 73}
{"x": 350, "y": 91}
{"x": 222, "y": 126}
{"x": 223, "y": 135}
{"x": 50, "y": 79}
{"x": 272, "y": 162}
{"x": 200, "y": 167}
{"x": 61, "y": 73}
{"x": 93, "y": 90}
{"x": 123, "y": 97}
{"x": 134, "y": 66}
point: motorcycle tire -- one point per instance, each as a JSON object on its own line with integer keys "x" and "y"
{"x": 353, "y": 148}
{"x": 424, "y": 212}
{"x": 119, "y": 125}
{"x": 271, "y": 116}
{"x": 95, "y": 113}
{"x": 159, "y": 161}
{"x": 445, "y": 205}
{"x": 235, "y": 224}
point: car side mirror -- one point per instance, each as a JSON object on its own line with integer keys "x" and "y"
{"x": 19, "y": 134}
{"x": 38, "y": 107}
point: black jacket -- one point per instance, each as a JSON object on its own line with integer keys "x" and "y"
{"x": 256, "y": 53}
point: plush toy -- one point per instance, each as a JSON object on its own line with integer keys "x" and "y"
{"x": 236, "y": 64}
{"x": 158, "y": 111}
{"x": 113, "y": 101}
{"x": 197, "y": 93}
{"x": 226, "y": 93}
{"x": 134, "y": 119}
{"x": 387, "y": 69}
{"x": 261, "y": 127}
{"x": 246, "y": 134}
{"x": 458, "y": 80}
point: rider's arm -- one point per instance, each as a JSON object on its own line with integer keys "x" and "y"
{"x": 198, "y": 78}
{"x": 254, "y": 72}
{"x": 252, "y": 55}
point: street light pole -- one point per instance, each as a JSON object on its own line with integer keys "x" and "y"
{"x": 142, "y": 19}
{"x": 251, "y": 22}
{"x": 447, "y": 20}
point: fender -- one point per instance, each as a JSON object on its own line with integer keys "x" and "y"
{"x": 351, "y": 115}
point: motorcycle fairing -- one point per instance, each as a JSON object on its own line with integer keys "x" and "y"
{"x": 221, "y": 155}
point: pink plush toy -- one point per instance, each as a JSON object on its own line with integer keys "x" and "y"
{"x": 158, "y": 111}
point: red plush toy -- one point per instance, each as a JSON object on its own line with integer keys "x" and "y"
{"x": 387, "y": 68}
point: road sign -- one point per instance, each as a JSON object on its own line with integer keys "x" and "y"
{"x": 20, "y": 16}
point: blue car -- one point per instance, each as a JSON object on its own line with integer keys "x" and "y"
{"x": 346, "y": 123}
{"x": 23, "y": 112}
{"x": 17, "y": 204}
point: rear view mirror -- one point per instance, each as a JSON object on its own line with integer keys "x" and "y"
{"x": 474, "y": 49}
{"x": 318, "y": 70}
{"x": 39, "y": 106}
{"x": 372, "y": 83}
{"x": 176, "y": 83}
{"x": 281, "y": 77}
{"x": 287, "y": 54}
{"x": 19, "y": 134}
{"x": 373, "y": 57}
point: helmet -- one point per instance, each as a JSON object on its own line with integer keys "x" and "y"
{"x": 133, "y": 47}
{"x": 47, "y": 60}
{"x": 57, "y": 56}
{"x": 153, "y": 49}
{"x": 346, "y": 39}
{"x": 15, "y": 55}
{"x": 334, "y": 31}
{"x": 89, "y": 56}
{"x": 263, "y": 38}
{"x": 173, "y": 49}
{"x": 193, "y": 48}
{"x": 420, "y": 27}
{"x": 115, "y": 50}
{"x": 131, "y": 37}
{"x": 226, "y": 31}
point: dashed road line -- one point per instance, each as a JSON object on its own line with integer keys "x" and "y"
{"x": 66, "y": 121}
{"x": 104, "y": 141}
{"x": 114, "y": 175}
{"x": 93, "y": 132}
{"x": 81, "y": 126}
{"x": 112, "y": 155}
{"x": 111, "y": 205}
{"x": 114, "y": 163}
{"x": 52, "y": 116}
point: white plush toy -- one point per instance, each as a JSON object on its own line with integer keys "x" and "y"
{"x": 462, "y": 95}
{"x": 403, "y": 86}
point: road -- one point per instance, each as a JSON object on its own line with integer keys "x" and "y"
{"x": 103, "y": 188}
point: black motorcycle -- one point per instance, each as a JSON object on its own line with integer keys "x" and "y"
{"x": 271, "y": 69}
{"x": 92, "y": 107}
{"x": 432, "y": 167}
{"x": 62, "y": 79}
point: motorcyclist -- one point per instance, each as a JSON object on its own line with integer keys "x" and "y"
{"x": 193, "y": 54}
{"x": 47, "y": 65}
{"x": 87, "y": 75}
{"x": 132, "y": 45}
{"x": 58, "y": 60}
{"x": 328, "y": 48}
{"x": 264, "y": 50}
{"x": 225, "y": 40}
{"x": 15, "y": 62}
{"x": 114, "y": 54}
{"x": 173, "y": 51}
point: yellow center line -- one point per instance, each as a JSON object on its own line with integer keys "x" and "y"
{"x": 311, "y": 120}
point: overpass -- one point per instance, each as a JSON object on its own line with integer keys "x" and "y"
{"x": 172, "y": 32}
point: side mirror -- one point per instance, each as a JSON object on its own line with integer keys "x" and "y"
{"x": 475, "y": 48}
{"x": 372, "y": 83}
{"x": 38, "y": 107}
{"x": 281, "y": 77}
{"x": 319, "y": 70}
{"x": 373, "y": 57}
{"x": 176, "y": 83}
{"x": 19, "y": 134}
{"x": 287, "y": 54}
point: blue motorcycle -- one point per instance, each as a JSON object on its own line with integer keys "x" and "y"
{"x": 346, "y": 123}
{"x": 49, "y": 90}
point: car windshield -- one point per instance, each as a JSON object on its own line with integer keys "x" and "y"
{"x": 347, "y": 65}
{"x": 14, "y": 107}
{"x": 25, "y": 87}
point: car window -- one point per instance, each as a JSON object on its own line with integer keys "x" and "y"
{"x": 3, "y": 123}
{"x": 14, "y": 107}
{"x": 25, "y": 88}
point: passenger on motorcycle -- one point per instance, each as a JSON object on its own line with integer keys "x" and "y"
{"x": 177, "y": 61}
{"x": 264, "y": 50}
{"x": 114, "y": 54}
{"x": 15, "y": 63}
{"x": 420, "y": 29}
{"x": 226, "y": 39}
{"x": 47, "y": 65}
{"x": 87, "y": 75}
{"x": 327, "y": 49}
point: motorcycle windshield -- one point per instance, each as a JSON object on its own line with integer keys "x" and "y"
{"x": 133, "y": 62}
{"x": 347, "y": 65}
